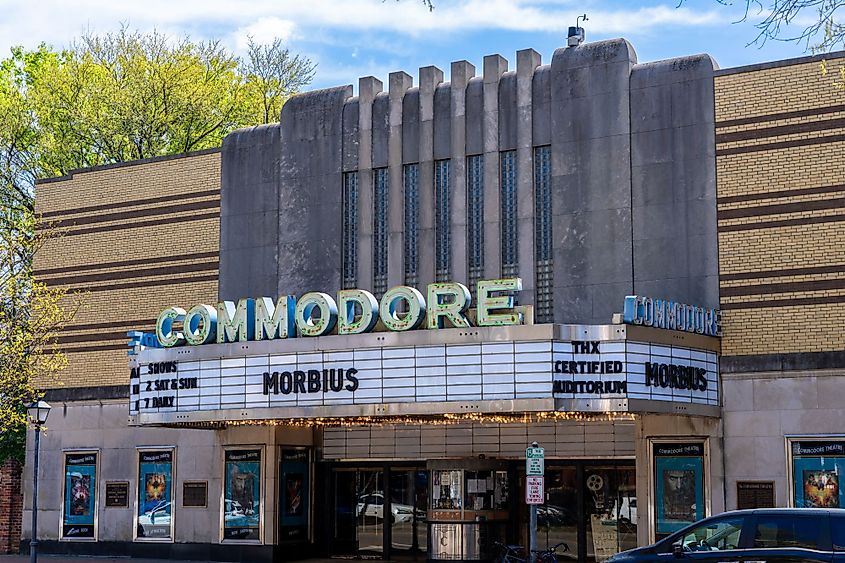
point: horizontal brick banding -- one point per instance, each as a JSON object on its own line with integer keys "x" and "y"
{"x": 828, "y": 299}
{"x": 782, "y": 287}
{"x": 834, "y": 269}
{"x": 779, "y": 130}
{"x": 782, "y": 362}
{"x": 175, "y": 269}
{"x": 69, "y": 394}
{"x": 139, "y": 224}
{"x": 129, "y": 325}
{"x": 781, "y": 194}
{"x": 131, "y": 163}
{"x": 132, "y": 203}
{"x": 101, "y": 348}
{"x": 125, "y": 263}
{"x": 96, "y": 337}
{"x": 781, "y": 223}
{"x": 777, "y": 209}
{"x": 781, "y": 145}
{"x": 151, "y": 283}
{"x": 136, "y": 213}
{"x": 809, "y": 112}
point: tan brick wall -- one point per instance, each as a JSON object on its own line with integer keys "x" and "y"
{"x": 131, "y": 240}
{"x": 783, "y": 280}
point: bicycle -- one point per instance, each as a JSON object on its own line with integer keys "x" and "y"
{"x": 514, "y": 553}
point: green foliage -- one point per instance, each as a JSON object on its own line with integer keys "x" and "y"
{"x": 13, "y": 443}
{"x": 108, "y": 98}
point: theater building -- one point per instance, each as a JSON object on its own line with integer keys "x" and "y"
{"x": 346, "y": 328}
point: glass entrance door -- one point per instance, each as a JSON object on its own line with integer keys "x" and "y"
{"x": 371, "y": 510}
{"x": 408, "y": 505}
{"x": 610, "y": 500}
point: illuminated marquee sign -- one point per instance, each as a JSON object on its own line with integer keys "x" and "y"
{"x": 662, "y": 313}
{"x": 356, "y": 311}
{"x": 526, "y": 363}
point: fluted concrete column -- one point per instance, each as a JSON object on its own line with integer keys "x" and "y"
{"x": 494, "y": 67}
{"x": 526, "y": 61}
{"x": 462, "y": 71}
{"x": 398, "y": 84}
{"x": 368, "y": 87}
{"x": 430, "y": 77}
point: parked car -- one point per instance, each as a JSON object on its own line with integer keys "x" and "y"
{"x": 373, "y": 505}
{"x": 774, "y": 535}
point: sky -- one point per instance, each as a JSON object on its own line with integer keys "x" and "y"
{"x": 348, "y": 39}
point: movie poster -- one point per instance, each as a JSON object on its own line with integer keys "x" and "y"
{"x": 295, "y": 471}
{"x": 242, "y": 495}
{"x": 155, "y": 495}
{"x": 679, "y": 484}
{"x": 80, "y": 496}
{"x": 817, "y": 470}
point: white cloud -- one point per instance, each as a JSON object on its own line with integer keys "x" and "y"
{"x": 28, "y": 22}
{"x": 264, "y": 30}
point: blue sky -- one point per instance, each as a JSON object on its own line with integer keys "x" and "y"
{"x": 353, "y": 38}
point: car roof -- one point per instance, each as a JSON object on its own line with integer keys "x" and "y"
{"x": 785, "y": 511}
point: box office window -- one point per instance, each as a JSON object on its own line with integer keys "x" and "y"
{"x": 154, "y": 510}
{"x": 817, "y": 467}
{"x": 79, "y": 510}
{"x": 242, "y": 495}
{"x": 678, "y": 485}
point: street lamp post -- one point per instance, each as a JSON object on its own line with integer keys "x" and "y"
{"x": 38, "y": 413}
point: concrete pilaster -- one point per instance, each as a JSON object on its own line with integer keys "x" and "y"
{"x": 368, "y": 88}
{"x": 494, "y": 67}
{"x": 591, "y": 180}
{"x": 430, "y": 77}
{"x": 526, "y": 61}
{"x": 461, "y": 72}
{"x": 398, "y": 84}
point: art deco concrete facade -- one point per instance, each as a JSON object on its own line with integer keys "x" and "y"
{"x": 633, "y": 177}
{"x": 635, "y": 150}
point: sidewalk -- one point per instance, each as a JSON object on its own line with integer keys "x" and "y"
{"x": 127, "y": 559}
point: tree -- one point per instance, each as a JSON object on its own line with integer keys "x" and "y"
{"x": 273, "y": 75}
{"x": 106, "y": 99}
{"x": 777, "y": 20}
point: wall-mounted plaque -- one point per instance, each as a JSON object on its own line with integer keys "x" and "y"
{"x": 195, "y": 494}
{"x": 755, "y": 494}
{"x": 117, "y": 494}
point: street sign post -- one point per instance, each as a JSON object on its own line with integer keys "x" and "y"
{"x": 534, "y": 491}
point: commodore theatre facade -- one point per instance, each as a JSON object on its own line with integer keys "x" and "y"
{"x": 413, "y": 284}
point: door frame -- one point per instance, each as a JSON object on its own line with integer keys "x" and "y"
{"x": 386, "y": 467}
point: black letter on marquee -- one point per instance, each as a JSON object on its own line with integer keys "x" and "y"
{"x": 353, "y": 381}
{"x": 313, "y": 381}
{"x": 271, "y": 381}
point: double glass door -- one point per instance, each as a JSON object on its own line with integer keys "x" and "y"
{"x": 591, "y": 507}
{"x": 380, "y": 512}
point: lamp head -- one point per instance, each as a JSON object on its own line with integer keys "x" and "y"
{"x": 38, "y": 412}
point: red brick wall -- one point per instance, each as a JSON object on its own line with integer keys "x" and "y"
{"x": 11, "y": 506}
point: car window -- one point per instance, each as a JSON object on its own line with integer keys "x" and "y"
{"x": 781, "y": 530}
{"x": 715, "y": 535}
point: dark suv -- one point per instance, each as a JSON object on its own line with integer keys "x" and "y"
{"x": 773, "y": 535}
